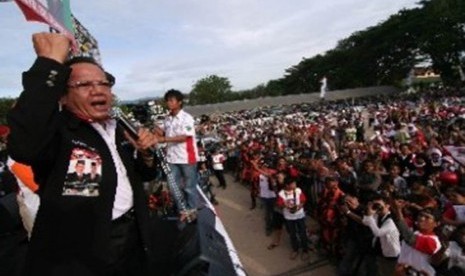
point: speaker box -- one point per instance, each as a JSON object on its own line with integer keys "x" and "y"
{"x": 201, "y": 250}
{"x": 164, "y": 233}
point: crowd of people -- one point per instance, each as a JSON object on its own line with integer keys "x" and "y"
{"x": 383, "y": 177}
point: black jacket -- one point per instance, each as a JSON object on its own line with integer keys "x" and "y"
{"x": 71, "y": 233}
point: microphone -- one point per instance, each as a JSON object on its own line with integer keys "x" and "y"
{"x": 117, "y": 113}
{"x": 188, "y": 214}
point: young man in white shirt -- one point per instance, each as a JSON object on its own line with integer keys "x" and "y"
{"x": 386, "y": 241}
{"x": 181, "y": 148}
{"x": 218, "y": 159}
{"x": 291, "y": 199}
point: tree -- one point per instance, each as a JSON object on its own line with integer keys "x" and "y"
{"x": 443, "y": 36}
{"x": 5, "y": 106}
{"x": 385, "y": 53}
{"x": 379, "y": 55}
{"x": 211, "y": 89}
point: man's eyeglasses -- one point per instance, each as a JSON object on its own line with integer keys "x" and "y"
{"x": 87, "y": 85}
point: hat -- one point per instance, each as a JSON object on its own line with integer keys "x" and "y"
{"x": 436, "y": 151}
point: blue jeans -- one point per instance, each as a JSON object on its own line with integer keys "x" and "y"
{"x": 186, "y": 179}
{"x": 298, "y": 234}
{"x": 269, "y": 213}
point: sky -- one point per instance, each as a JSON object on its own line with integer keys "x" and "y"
{"x": 153, "y": 45}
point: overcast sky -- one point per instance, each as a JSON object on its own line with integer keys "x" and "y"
{"x": 152, "y": 46}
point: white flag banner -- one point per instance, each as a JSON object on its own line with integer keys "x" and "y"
{"x": 458, "y": 153}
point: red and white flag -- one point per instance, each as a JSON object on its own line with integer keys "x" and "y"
{"x": 33, "y": 10}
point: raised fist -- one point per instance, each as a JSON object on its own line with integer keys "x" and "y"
{"x": 51, "y": 45}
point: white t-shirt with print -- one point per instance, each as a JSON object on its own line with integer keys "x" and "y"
{"x": 218, "y": 160}
{"x": 182, "y": 152}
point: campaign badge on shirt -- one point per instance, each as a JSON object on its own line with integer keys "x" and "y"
{"x": 84, "y": 174}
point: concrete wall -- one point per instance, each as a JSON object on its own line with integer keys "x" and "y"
{"x": 286, "y": 100}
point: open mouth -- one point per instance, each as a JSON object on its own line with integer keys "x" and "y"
{"x": 101, "y": 103}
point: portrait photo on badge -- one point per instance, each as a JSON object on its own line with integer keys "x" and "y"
{"x": 84, "y": 174}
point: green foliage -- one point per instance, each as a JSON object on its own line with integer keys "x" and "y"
{"x": 443, "y": 36}
{"x": 5, "y": 106}
{"x": 211, "y": 89}
{"x": 384, "y": 54}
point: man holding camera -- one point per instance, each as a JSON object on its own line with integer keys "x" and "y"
{"x": 357, "y": 239}
{"x": 292, "y": 200}
{"x": 386, "y": 241}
